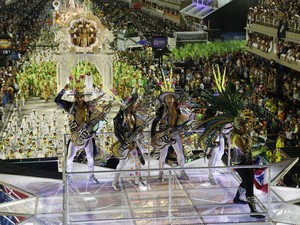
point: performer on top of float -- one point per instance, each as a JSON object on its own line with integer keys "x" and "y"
{"x": 82, "y": 122}
{"x": 232, "y": 111}
{"x": 169, "y": 117}
{"x": 128, "y": 132}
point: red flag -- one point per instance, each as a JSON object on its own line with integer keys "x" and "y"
{"x": 260, "y": 180}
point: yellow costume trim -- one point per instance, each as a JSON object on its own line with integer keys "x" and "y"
{"x": 220, "y": 81}
{"x": 235, "y": 136}
{"x": 166, "y": 86}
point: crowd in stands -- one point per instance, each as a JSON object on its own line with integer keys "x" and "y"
{"x": 118, "y": 17}
{"x": 289, "y": 50}
{"x": 281, "y": 15}
{"x": 264, "y": 85}
{"x": 22, "y": 22}
{"x": 260, "y": 41}
{"x": 163, "y": 10}
{"x": 271, "y": 12}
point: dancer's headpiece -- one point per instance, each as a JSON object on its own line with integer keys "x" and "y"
{"x": 230, "y": 106}
{"x": 167, "y": 86}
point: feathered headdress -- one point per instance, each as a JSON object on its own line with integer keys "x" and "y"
{"x": 167, "y": 86}
{"x": 228, "y": 104}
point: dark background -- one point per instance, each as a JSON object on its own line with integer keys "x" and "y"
{"x": 231, "y": 17}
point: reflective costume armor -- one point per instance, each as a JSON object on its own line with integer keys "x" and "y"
{"x": 90, "y": 147}
{"x": 123, "y": 130}
{"x": 164, "y": 120}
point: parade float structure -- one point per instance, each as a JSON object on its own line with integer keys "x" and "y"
{"x": 81, "y": 37}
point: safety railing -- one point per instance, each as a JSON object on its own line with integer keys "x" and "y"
{"x": 173, "y": 201}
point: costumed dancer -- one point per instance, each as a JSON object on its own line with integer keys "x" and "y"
{"x": 89, "y": 82}
{"x": 215, "y": 156}
{"x": 170, "y": 119}
{"x": 33, "y": 118}
{"x": 232, "y": 107}
{"x": 241, "y": 141}
{"x": 127, "y": 132}
{"x": 81, "y": 114}
{"x": 217, "y": 151}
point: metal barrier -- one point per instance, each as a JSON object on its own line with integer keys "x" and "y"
{"x": 170, "y": 202}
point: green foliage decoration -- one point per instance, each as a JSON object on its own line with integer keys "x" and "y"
{"x": 199, "y": 50}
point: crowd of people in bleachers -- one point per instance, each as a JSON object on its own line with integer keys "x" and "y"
{"x": 119, "y": 17}
{"x": 289, "y": 50}
{"x": 259, "y": 79}
{"x": 164, "y": 10}
{"x": 276, "y": 14}
{"x": 23, "y": 21}
{"x": 271, "y": 12}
